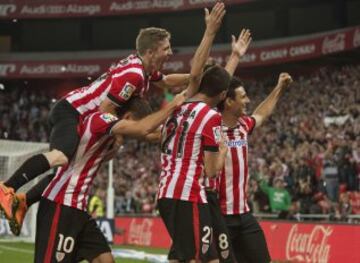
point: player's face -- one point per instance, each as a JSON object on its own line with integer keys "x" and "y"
{"x": 241, "y": 101}
{"x": 161, "y": 54}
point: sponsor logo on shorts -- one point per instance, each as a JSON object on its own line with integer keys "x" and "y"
{"x": 127, "y": 91}
{"x": 108, "y": 118}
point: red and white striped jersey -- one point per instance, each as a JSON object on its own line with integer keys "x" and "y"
{"x": 233, "y": 181}
{"x": 191, "y": 130}
{"x": 71, "y": 184}
{"x": 119, "y": 83}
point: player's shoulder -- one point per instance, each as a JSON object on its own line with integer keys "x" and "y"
{"x": 101, "y": 117}
{"x": 131, "y": 64}
{"x": 246, "y": 121}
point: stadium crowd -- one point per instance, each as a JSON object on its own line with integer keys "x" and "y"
{"x": 309, "y": 148}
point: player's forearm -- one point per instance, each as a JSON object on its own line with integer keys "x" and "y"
{"x": 266, "y": 107}
{"x": 153, "y": 121}
{"x": 220, "y": 162}
{"x": 198, "y": 62}
{"x": 174, "y": 80}
{"x": 232, "y": 63}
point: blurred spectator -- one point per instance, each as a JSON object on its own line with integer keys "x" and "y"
{"x": 279, "y": 197}
{"x": 96, "y": 204}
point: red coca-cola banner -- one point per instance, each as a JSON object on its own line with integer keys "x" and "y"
{"x": 284, "y": 51}
{"x": 141, "y": 231}
{"x": 295, "y": 242}
{"x": 10, "y": 9}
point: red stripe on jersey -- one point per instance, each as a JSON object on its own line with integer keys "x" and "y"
{"x": 188, "y": 151}
{"x": 52, "y": 236}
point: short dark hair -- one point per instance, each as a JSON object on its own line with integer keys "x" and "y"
{"x": 235, "y": 82}
{"x": 148, "y": 38}
{"x": 214, "y": 81}
{"x": 139, "y": 107}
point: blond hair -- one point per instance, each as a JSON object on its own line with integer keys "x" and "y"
{"x": 149, "y": 37}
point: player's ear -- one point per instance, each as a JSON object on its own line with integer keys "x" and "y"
{"x": 128, "y": 116}
{"x": 228, "y": 102}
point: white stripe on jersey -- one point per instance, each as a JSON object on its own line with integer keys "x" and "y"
{"x": 240, "y": 157}
{"x": 129, "y": 70}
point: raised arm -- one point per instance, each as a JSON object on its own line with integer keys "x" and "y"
{"x": 264, "y": 110}
{"x": 173, "y": 80}
{"x": 238, "y": 49}
{"x": 213, "y": 21}
{"x": 148, "y": 124}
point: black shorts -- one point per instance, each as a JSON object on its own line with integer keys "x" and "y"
{"x": 189, "y": 226}
{"x": 65, "y": 234}
{"x": 63, "y": 122}
{"x": 221, "y": 241}
{"x": 247, "y": 238}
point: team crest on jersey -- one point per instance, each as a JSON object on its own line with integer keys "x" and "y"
{"x": 225, "y": 254}
{"x": 108, "y": 118}
{"x": 205, "y": 248}
{"x": 127, "y": 91}
{"x": 60, "y": 256}
{"x": 217, "y": 133}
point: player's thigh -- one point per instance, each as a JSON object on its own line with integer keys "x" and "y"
{"x": 57, "y": 230}
{"x": 104, "y": 258}
{"x": 251, "y": 241}
{"x": 64, "y": 128}
{"x": 221, "y": 239}
{"x": 92, "y": 244}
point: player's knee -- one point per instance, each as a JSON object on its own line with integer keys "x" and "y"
{"x": 56, "y": 158}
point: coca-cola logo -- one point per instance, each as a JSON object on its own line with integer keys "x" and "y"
{"x": 140, "y": 233}
{"x": 356, "y": 39}
{"x": 309, "y": 246}
{"x": 7, "y": 9}
{"x": 7, "y": 68}
{"x": 333, "y": 44}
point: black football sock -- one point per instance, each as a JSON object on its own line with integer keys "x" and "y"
{"x": 30, "y": 169}
{"x": 35, "y": 192}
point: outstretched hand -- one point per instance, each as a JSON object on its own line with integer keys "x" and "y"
{"x": 240, "y": 46}
{"x": 214, "y": 18}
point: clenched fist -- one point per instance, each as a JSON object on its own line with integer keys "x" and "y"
{"x": 284, "y": 79}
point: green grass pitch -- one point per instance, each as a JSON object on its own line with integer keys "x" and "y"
{"x": 21, "y": 252}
